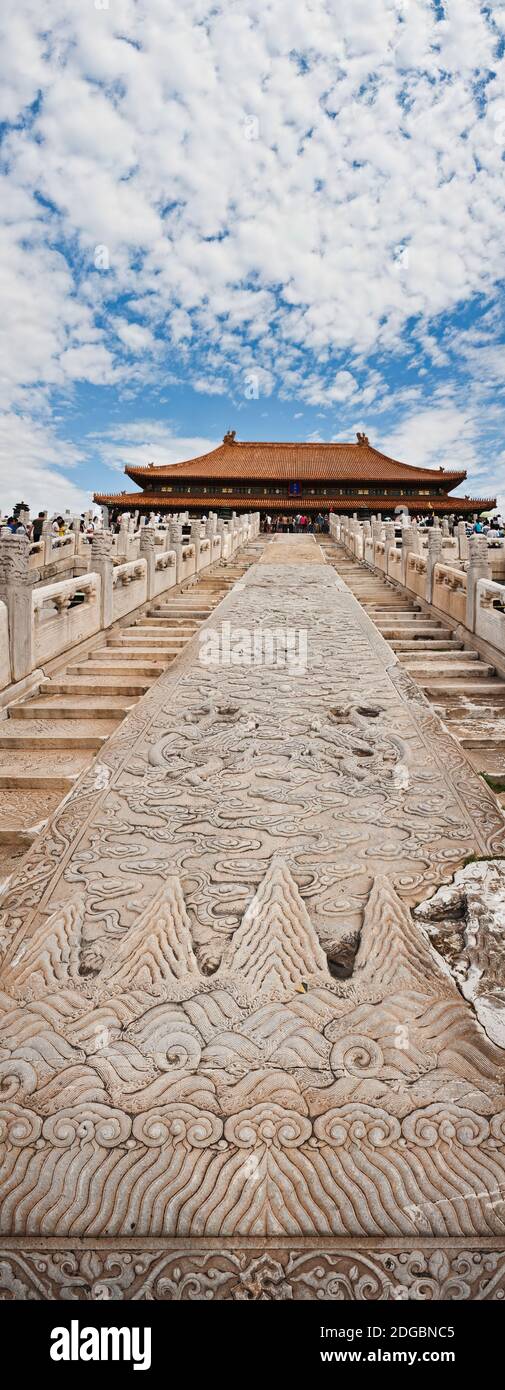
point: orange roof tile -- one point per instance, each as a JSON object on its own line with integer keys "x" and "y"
{"x": 255, "y": 460}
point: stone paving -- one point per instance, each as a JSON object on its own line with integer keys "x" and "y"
{"x": 235, "y": 1065}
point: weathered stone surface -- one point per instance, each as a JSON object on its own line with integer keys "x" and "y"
{"x": 224, "y": 1029}
{"x": 466, "y": 920}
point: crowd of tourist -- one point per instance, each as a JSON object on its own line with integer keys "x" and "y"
{"x": 493, "y": 526}
{"x": 299, "y": 522}
{"x": 19, "y": 522}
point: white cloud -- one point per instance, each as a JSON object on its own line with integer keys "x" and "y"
{"x": 148, "y": 441}
{"x": 34, "y": 456}
{"x": 276, "y": 188}
{"x": 448, "y": 436}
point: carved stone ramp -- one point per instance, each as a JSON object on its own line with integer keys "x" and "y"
{"x": 233, "y": 1063}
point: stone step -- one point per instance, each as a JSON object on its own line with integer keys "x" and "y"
{"x": 101, "y": 685}
{"x": 436, "y": 632}
{"x": 403, "y": 620}
{"x": 172, "y": 634}
{"x": 196, "y": 610}
{"x": 116, "y": 667}
{"x": 485, "y": 688}
{"x": 18, "y": 765}
{"x": 32, "y": 739}
{"x": 389, "y": 611}
{"x": 132, "y": 639}
{"x": 461, "y": 670}
{"x": 193, "y": 620}
{"x": 61, "y": 707}
{"x": 123, "y": 650}
{"x": 433, "y": 658}
{"x": 37, "y": 781}
{"x": 10, "y": 859}
{"x": 22, "y": 811}
{"x": 487, "y": 754}
{"x": 132, "y": 655}
{"x": 165, "y": 622}
{"x": 428, "y": 648}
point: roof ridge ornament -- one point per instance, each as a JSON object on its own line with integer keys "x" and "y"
{"x": 362, "y": 438}
{"x": 229, "y": 437}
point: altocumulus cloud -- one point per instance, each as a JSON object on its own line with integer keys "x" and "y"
{"x": 312, "y": 191}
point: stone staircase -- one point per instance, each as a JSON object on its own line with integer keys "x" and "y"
{"x": 50, "y": 736}
{"x": 465, "y": 690}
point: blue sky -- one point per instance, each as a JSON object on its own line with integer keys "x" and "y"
{"x": 286, "y": 220}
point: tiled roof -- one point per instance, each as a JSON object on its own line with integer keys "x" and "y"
{"x": 295, "y": 462}
{"x": 164, "y": 501}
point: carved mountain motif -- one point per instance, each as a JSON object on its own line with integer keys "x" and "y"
{"x": 276, "y": 946}
{"x": 394, "y": 952}
{"x": 157, "y": 955}
{"x": 50, "y": 959}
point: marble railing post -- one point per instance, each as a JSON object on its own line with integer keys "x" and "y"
{"x": 222, "y": 531}
{"x": 122, "y": 540}
{"x": 462, "y": 540}
{"x": 377, "y": 532}
{"x": 147, "y": 552}
{"x": 445, "y": 527}
{"x": 407, "y": 536}
{"x": 47, "y": 538}
{"x": 101, "y": 563}
{"x": 434, "y": 558}
{"x": 478, "y": 568}
{"x": 105, "y": 517}
{"x": 175, "y": 544}
{"x": 17, "y": 582}
{"x": 196, "y": 533}
{"x": 389, "y": 541}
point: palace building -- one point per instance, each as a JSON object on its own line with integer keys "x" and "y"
{"x": 290, "y": 478}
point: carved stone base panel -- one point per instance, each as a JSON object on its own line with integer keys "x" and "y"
{"x": 251, "y": 1271}
{"x": 221, "y": 1016}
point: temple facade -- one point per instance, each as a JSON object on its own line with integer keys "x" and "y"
{"x": 294, "y": 477}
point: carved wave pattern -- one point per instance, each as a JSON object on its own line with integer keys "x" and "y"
{"x": 266, "y": 1170}
{"x": 268, "y": 1099}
